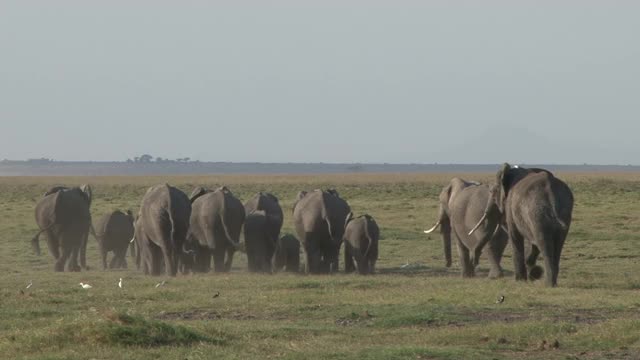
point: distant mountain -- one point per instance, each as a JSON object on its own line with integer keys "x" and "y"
{"x": 61, "y": 168}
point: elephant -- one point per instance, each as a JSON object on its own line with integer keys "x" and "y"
{"x": 113, "y": 232}
{"x": 216, "y": 223}
{"x": 462, "y": 203}
{"x": 536, "y": 208}
{"x": 361, "y": 236}
{"x": 63, "y": 215}
{"x": 319, "y": 218}
{"x": 287, "y": 254}
{"x": 259, "y": 241}
{"x": 271, "y": 206}
{"x": 161, "y": 229}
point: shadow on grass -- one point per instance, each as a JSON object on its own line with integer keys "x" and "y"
{"x": 128, "y": 330}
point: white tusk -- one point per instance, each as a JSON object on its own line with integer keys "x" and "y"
{"x": 433, "y": 228}
{"x": 132, "y": 239}
{"x": 478, "y": 224}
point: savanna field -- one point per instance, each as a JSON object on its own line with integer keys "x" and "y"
{"x": 420, "y": 311}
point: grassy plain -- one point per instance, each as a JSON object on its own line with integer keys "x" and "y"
{"x": 424, "y": 311}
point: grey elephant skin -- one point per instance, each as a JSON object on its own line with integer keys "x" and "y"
{"x": 259, "y": 242}
{"x": 462, "y": 205}
{"x": 319, "y": 218}
{"x": 268, "y": 203}
{"x": 287, "y": 256}
{"x": 113, "y": 231}
{"x": 161, "y": 229}
{"x": 537, "y": 209}
{"x": 216, "y": 223}
{"x": 361, "y": 238}
{"x": 63, "y": 216}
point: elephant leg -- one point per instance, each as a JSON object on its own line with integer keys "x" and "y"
{"x": 61, "y": 261}
{"x": 476, "y": 256}
{"x": 551, "y": 254}
{"x": 218, "y": 259}
{"x": 83, "y": 251}
{"x": 103, "y": 256}
{"x": 113, "y": 264}
{"x": 465, "y": 260}
{"x": 155, "y": 260}
{"x": 122, "y": 257}
{"x": 313, "y": 254}
{"x": 349, "y": 266}
{"x": 170, "y": 262}
{"x": 293, "y": 262}
{"x": 229, "y": 259}
{"x": 533, "y": 256}
{"x": 494, "y": 256}
{"x": 517, "y": 245}
{"x": 73, "y": 258}
{"x": 53, "y": 243}
{"x": 363, "y": 265}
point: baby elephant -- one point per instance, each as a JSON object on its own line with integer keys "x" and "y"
{"x": 287, "y": 254}
{"x": 259, "y": 242}
{"x": 114, "y": 231}
{"x": 361, "y": 243}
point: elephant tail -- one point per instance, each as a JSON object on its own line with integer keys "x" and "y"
{"x": 368, "y": 235}
{"x": 223, "y": 220}
{"x": 35, "y": 241}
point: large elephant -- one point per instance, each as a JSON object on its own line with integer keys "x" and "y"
{"x": 216, "y": 224}
{"x": 361, "y": 238}
{"x": 259, "y": 241}
{"x": 319, "y": 217}
{"x": 287, "y": 254}
{"x": 536, "y": 208}
{"x": 268, "y": 203}
{"x": 462, "y": 203}
{"x": 63, "y": 215}
{"x": 161, "y": 229}
{"x": 113, "y": 232}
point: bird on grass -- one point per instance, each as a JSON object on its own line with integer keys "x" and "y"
{"x": 160, "y": 284}
{"x": 500, "y": 299}
{"x": 120, "y": 283}
{"x": 217, "y": 294}
{"x": 86, "y": 286}
{"x": 30, "y": 284}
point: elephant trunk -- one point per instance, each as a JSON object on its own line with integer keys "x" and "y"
{"x": 445, "y": 230}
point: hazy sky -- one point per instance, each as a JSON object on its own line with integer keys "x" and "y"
{"x": 339, "y": 81}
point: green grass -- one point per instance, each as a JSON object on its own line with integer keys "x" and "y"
{"x": 423, "y": 312}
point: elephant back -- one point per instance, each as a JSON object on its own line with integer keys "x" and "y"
{"x": 64, "y": 207}
{"x": 267, "y": 203}
{"x": 117, "y": 224}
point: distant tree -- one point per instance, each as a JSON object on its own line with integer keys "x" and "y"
{"x": 129, "y": 160}
{"x": 186, "y": 159}
{"x": 136, "y": 159}
{"x": 159, "y": 159}
{"x": 146, "y": 158}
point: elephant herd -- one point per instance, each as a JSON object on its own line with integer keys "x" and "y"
{"x": 528, "y": 207}
{"x": 174, "y": 232}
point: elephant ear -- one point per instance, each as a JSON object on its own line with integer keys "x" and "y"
{"x": 224, "y": 189}
{"x": 196, "y": 193}
{"x": 300, "y": 195}
{"x": 504, "y": 182}
{"x": 86, "y": 189}
{"x": 445, "y": 196}
{"x": 348, "y": 219}
{"x": 333, "y": 192}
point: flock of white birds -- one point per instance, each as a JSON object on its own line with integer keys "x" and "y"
{"x": 87, "y": 286}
